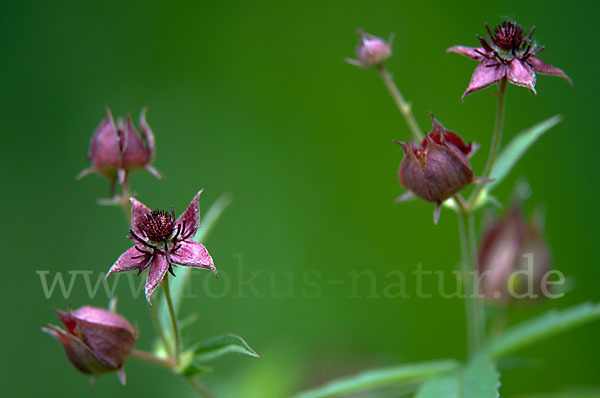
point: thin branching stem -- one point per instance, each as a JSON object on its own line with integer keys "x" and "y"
{"x": 150, "y": 357}
{"x": 159, "y": 328}
{"x": 174, "y": 321}
{"x": 496, "y": 138}
{"x": 473, "y": 303}
{"x": 401, "y": 103}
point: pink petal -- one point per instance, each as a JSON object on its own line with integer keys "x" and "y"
{"x": 542, "y": 67}
{"x": 484, "y": 76}
{"x": 520, "y": 74}
{"x": 138, "y": 211}
{"x": 470, "y": 52}
{"x": 191, "y": 216}
{"x": 127, "y": 262}
{"x": 158, "y": 269}
{"x": 193, "y": 254}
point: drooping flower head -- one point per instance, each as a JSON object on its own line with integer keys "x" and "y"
{"x": 370, "y": 51}
{"x": 509, "y": 53}
{"x": 117, "y": 149}
{"x": 438, "y": 168}
{"x": 96, "y": 340}
{"x": 161, "y": 242}
{"x": 513, "y": 257}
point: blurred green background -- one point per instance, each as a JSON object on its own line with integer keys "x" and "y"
{"x": 255, "y": 99}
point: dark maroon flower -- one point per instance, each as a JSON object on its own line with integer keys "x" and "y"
{"x": 161, "y": 242}
{"x": 438, "y": 168}
{"x": 509, "y": 54}
{"x": 117, "y": 149}
{"x": 371, "y": 51}
{"x": 512, "y": 251}
{"x": 96, "y": 340}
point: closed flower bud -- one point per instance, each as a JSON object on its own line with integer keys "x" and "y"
{"x": 513, "y": 259}
{"x": 438, "y": 168}
{"x": 117, "y": 149}
{"x": 371, "y": 51}
{"x": 95, "y": 340}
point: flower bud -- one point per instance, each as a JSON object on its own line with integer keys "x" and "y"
{"x": 438, "y": 168}
{"x": 513, "y": 258}
{"x": 371, "y": 50}
{"x": 96, "y": 340}
{"x": 116, "y": 149}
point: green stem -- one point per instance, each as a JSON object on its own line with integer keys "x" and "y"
{"x": 496, "y": 138}
{"x": 125, "y": 192}
{"x": 173, "y": 316}
{"x": 473, "y": 303}
{"x": 150, "y": 357}
{"x": 159, "y": 328}
{"x": 199, "y": 387}
{"x": 403, "y": 106}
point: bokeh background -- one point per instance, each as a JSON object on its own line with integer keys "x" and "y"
{"x": 254, "y": 99}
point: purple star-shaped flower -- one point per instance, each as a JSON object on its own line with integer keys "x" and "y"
{"x": 161, "y": 242}
{"x": 509, "y": 54}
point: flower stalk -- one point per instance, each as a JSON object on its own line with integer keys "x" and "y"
{"x": 174, "y": 323}
{"x": 473, "y": 303}
{"x": 496, "y": 138}
{"x": 150, "y": 357}
{"x": 159, "y": 329}
{"x": 401, "y": 103}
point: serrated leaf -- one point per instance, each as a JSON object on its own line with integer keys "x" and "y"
{"x": 220, "y": 345}
{"x": 515, "y": 149}
{"x": 481, "y": 379}
{"x": 381, "y": 377}
{"x": 177, "y": 284}
{"x": 440, "y": 387}
{"x": 542, "y": 327}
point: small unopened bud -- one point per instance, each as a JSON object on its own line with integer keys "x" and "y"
{"x": 117, "y": 149}
{"x": 96, "y": 340}
{"x": 438, "y": 168}
{"x": 371, "y": 51}
{"x": 513, "y": 258}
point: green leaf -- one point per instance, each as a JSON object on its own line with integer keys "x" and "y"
{"x": 509, "y": 156}
{"x": 177, "y": 284}
{"x": 540, "y": 328}
{"x": 381, "y": 377}
{"x": 440, "y": 387}
{"x": 193, "y": 369}
{"x": 480, "y": 380}
{"x": 221, "y": 345}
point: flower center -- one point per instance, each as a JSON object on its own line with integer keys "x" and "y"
{"x": 158, "y": 225}
{"x": 509, "y": 37}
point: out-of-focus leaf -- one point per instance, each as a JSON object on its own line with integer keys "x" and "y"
{"x": 440, "y": 387}
{"x": 220, "y": 345}
{"x": 541, "y": 327}
{"x": 509, "y": 156}
{"x": 481, "y": 379}
{"x": 381, "y": 377}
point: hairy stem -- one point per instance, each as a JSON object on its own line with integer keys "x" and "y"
{"x": 473, "y": 302}
{"x": 173, "y": 316}
{"x": 150, "y": 357}
{"x": 159, "y": 328}
{"x": 496, "y": 138}
{"x": 403, "y": 106}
